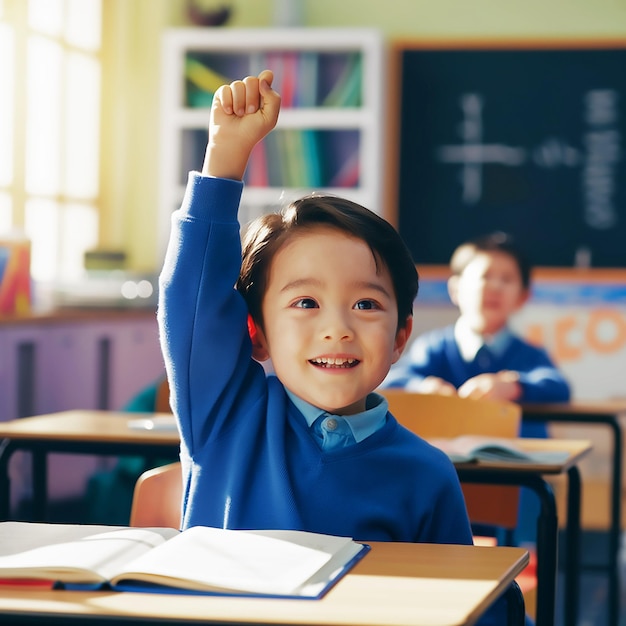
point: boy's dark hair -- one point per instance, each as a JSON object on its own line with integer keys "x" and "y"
{"x": 265, "y": 236}
{"x": 492, "y": 242}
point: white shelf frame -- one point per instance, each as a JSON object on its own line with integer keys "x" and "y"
{"x": 369, "y": 119}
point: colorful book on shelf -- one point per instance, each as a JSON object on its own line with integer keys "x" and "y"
{"x": 257, "y": 174}
{"x": 346, "y": 92}
{"x": 277, "y": 563}
{"x": 311, "y": 158}
{"x": 294, "y": 158}
{"x": 274, "y": 158}
{"x": 349, "y": 173}
{"x": 286, "y": 168}
{"x": 203, "y": 78}
{"x": 289, "y": 83}
{"x": 306, "y": 94}
{"x": 483, "y": 449}
{"x": 275, "y": 61}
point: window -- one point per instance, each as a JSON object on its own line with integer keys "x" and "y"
{"x": 50, "y": 130}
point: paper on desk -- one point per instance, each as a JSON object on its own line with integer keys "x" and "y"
{"x": 158, "y": 422}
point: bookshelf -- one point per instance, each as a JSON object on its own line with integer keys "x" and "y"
{"x": 330, "y": 131}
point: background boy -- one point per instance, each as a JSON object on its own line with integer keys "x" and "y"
{"x": 479, "y": 356}
{"x": 329, "y": 287}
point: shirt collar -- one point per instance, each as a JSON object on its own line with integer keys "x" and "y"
{"x": 362, "y": 424}
{"x": 470, "y": 342}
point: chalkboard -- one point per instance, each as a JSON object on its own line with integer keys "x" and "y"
{"x": 529, "y": 140}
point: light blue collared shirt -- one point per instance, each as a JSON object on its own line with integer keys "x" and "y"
{"x": 337, "y": 431}
{"x": 470, "y": 342}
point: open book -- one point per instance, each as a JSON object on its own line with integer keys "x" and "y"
{"x": 484, "y": 449}
{"x": 199, "y": 559}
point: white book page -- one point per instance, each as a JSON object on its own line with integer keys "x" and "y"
{"x": 238, "y": 561}
{"x": 68, "y": 552}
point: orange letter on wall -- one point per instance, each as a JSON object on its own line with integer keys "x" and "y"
{"x": 592, "y": 334}
{"x": 563, "y": 349}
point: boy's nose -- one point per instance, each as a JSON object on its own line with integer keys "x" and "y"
{"x": 336, "y": 327}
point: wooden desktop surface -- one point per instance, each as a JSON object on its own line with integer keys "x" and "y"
{"x": 396, "y": 584}
{"x": 614, "y": 406}
{"x": 112, "y": 426}
{"x": 88, "y": 425}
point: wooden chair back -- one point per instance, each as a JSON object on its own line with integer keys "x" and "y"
{"x": 162, "y": 401}
{"x": 157, "y": 499}
{"x": 434, "y": 416}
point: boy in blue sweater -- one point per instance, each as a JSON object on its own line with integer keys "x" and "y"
{"x": 325, "y": 289}
{"x": 479, "y": 356}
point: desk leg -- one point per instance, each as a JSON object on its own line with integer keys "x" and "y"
{"x": 6, "y": 450}
{"x": 516, "y": 606}
{"x": 547, "y": 532}
{"x": 572, "y": 555}
{"x": 616, "y": 523}
{"x": 615, "y": 530}
{"x": 40, "y": 485}
{"x": 547, "y": 553}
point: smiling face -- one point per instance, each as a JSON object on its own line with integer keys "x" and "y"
{"x": 488, "y": 291}
{"x": 330, "y": 319}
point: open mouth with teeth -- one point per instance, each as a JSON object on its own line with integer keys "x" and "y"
{"x": 334, "y": 363}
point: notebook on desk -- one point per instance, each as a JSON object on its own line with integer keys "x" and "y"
{"x": 202, "y": 559}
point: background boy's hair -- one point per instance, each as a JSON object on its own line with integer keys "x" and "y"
{"x": 492, "y": 242}
{"x": 265, "y": 236}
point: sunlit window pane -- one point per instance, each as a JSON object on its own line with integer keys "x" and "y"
{"x": 82, "y": 126}
{"x": 43, "y": 121}
{"x": 83, "y": 27}
{"x": 53, "y": 105}
{"x": 6, "y": 217}
{"x": 79, "y": 233}
{"x": 46, "y": 16}
{"x": 59, "y": 235}
{"x": 41, "y": 224}
{"x": 6, "y": 104}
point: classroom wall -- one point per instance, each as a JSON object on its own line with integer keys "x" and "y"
{"x": 132, "y": 51}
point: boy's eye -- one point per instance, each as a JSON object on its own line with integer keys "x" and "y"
{"x": 366, "y": 305}
{"x": 305, "y": 303}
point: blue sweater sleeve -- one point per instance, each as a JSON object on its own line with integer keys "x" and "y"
{"x": 541, "y": 380}
{"x": 202, "y": 318}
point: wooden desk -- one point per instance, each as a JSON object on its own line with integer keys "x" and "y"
{"x": 103, "y": 432}
{"x": 531, "y": 475}
{"x": 78, "y": 432}
{"x": 396, "y": 584}
{"x": 607, "y": 413}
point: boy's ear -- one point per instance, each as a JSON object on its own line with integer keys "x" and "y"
{"x": 402, "y": 338}
{"x": 453, "y": 289}
{"x": 259, "y": 345}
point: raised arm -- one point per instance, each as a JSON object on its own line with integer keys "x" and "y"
{"x": 202, "y": 318}
{"x": 242, "y": 114}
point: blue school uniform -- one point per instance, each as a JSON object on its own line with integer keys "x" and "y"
{"x": 250, "y": 458}
{"x": 437, "y": 353}
{"x": 252, "y": 455}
